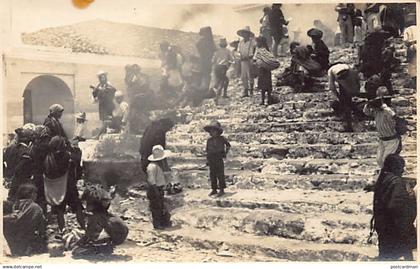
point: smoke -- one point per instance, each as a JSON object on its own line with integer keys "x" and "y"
{"x": 190, "y": 13}
{"x": 226, "y": 20}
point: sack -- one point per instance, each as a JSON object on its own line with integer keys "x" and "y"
{"x": 266, "y": 60}
{"x": 401, "y": 125}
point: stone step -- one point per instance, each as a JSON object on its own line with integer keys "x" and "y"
{"x": 284, "y": 114}
{"x": 239, "y": 126}
{"x": 291, "y": 151}
{"x": 293, "y": 201}
{"x": 322, "y": 228}
{"x": 271, "y": 247}
{"x": 302, "y": 166}
{"x": 316, "y": 101}
{"x": 333, "y": 138}
{"x": 238, "y": 179}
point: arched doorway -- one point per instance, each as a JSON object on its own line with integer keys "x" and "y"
{"x": 43, "y": 91}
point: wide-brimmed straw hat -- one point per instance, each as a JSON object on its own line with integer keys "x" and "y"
{"x": 214, "y": 125}
{"x": 158, "y": 153}
{"x": 81, "y": 116}
{"x": 101, "y": 73}
{"x": 245, "y": 31}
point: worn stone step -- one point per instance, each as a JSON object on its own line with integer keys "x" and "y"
{"x": 288, "y": 113}
{"x": 302, "y": 166}
{"x": 322, "y": 228}
{"x": 322, "y": 126}
{"x": 333, "y": 138}
{"x": 292, "y": 151}
{"x": 254, "y": 180}
{"x": 294, "y": 201}
{"x": 280, "y": 248}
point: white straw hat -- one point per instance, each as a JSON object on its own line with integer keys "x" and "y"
{"x": 158, "y": 153}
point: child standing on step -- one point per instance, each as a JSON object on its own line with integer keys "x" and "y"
{"x": 264, "y": 75}
{"x": 217, "y": 148}
{"x": 155, "y": 190}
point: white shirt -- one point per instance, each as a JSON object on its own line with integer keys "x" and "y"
{"x": 332, "y": 74}
{"x": 121, "y": 110}
{"x": 155, "y": 175}
{"x": 80, "y": 130}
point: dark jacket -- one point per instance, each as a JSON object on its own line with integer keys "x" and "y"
{"x": 24, "y": 230}
{"x": 105, "y": 95}
{"x": 394, "y": 209}
{"x": 217, "y": 147}
{"x": 321, "y": 54}
{"x": 155, "y": 134}
{"x": 277, "y": 21}
{"x": 54, "y": 127}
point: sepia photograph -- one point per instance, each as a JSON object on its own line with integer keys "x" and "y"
{"x": 152, "y": 132}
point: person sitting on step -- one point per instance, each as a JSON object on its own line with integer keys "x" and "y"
{"x": 320, "y": 52}
{"x": 98, "y": 202}
{"x": 217, "y": 148}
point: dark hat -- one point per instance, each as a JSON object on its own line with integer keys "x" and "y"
{"x": 234, "y": 43}
{"x": 81, "y": 116}
{"x": 245, "y": 31}
{"x": 223, "y": 43}
{"x": 214, "y": 125}
{"x": 314, "y": 33}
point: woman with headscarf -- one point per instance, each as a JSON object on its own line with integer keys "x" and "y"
{"x": 59, "y": 183}
{"x": 53, "y": 121}
{"x": 394, "y": 212}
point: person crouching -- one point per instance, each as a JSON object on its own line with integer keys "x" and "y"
{"x": 98, "y": 202}
{"x": 156, "y": 184}
{"x": 217, "y": 148}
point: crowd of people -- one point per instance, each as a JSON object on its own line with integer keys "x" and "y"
{"x": 43, "y": 165}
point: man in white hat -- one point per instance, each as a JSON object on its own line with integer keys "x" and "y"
{"x": 155, "y": 191}
{"x": 104, "y": 93}
{"x": 80, "y": 130}
{"x": 120, "y": 113}
{"x": 246, "y": 49}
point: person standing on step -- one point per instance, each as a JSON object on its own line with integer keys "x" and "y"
{"x": 104, "y": 94}
{"x": 222, "y": 59}
{"x": 206, "y": 48}
{"x": 217, "y": 148}
{"x": 60, "y": 181}
{"x": 246, "y": 49}
{"x": 265, "y": 27}
{"x": 80, "y": 132}
{"x": 277, "y": 22}
{"x": 155, "y": 191}
{"x": 389, "y": 140}
{"x": 320, "y": 52}
{"x": 52, "y": 122}
{"x": 345, "y": 13}
{"x": 264, "y": 75}
{"x": 394, "y": 212}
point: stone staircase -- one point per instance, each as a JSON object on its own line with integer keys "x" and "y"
{"x": 295, "y": 179}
